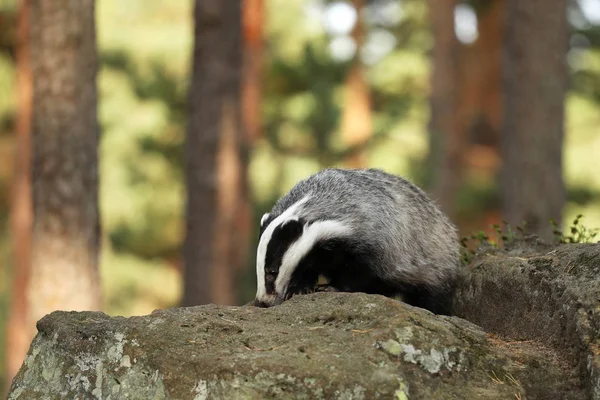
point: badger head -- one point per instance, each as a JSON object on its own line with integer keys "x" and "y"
{"x": 285, "y": 242}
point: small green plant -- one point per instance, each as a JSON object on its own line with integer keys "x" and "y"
{"x": 578, "y": 233}
{"x": 481, "y": 239}
{"x": 468, "y": 253}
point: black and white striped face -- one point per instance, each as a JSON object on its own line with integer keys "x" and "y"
{"x": 285, "y": 240}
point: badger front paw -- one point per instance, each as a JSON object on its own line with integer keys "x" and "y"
{"x": 324, "y": 288}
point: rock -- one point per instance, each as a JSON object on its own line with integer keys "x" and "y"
{"x": 536, "y": 292}
{"x": 538, "y": 304}
{"x": 323, "y": 345}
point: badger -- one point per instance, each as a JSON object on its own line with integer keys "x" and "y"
{"x": 363, "y": 230}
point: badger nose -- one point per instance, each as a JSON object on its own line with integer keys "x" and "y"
{"x": 261, "y": 304}
{"x": 268, "y": 301}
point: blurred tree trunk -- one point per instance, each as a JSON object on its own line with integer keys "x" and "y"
{"x": 65, "y": 241}
{"x": 479, "y": 110}
{"x": 535, "y": 80}
{"x": 215, "y": 156}
{"x": 253, "y": 22}
{"x": 445, "y": 140}
{"x": 356, "y": 125}
{"x": 19, "y": 331}
{"x": 480, "y": 89}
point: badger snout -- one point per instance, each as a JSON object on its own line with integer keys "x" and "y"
{"x": 259, "y": 303}
{"x": 268, "y": 301}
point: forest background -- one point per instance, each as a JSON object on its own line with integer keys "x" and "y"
{"x": 415, "y": 87}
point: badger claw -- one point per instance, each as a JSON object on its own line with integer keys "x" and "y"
{"x": 308, "y": 290}
{"x": 324, "y": 288}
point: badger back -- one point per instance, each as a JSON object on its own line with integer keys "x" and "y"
{"x": 406, "y": 234}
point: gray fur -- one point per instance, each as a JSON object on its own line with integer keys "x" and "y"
{"x": 416, "y": 243}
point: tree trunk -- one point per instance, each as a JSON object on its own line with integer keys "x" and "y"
{"x": 215, "y": 156}
{"x": 19, "y": 331}
{"x": 253, "y": 22}
{"x": 65, "y": 242}
{"x": 356, "y": 125}
{"x": 445, "y": 139}
{"x": 535, "y": 80}
{"x": 479, "y": 111}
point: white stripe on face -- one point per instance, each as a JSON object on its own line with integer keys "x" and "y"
{"x": 261, "y": 251}
{"x": 313, "y": 233}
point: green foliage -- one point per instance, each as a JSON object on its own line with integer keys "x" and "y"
{"x": 7, "y": 103}
{"x": 8, "y": 5}
{"x": 480, "y": 240}
{"x": 136, "y": 286}
{"x": 577, "y": 232}
{"x": 143, "y": 78}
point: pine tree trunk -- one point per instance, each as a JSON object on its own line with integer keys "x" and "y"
{"x": 253, "y": 22}
{"x": 215, "y": 157}
{"x": 445, "y": 139}
{"x": 356, "y": 125}
{"x": 480, "y": 90}
{"x": 19, "y": 331}
{"x": 479, "y": 111}
{"x": 535, "y": 80}
{"x": 65, "y": 241}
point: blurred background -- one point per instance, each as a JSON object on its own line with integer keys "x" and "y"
{"x": 492, "y": 106}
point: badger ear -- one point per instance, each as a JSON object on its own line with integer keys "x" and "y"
{"x": 264, "y": 219}
{"x": 292, "y": 228}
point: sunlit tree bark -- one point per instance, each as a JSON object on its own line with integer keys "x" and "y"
{"x": 19, "y": 331}
{"x": 66, "y": 227}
